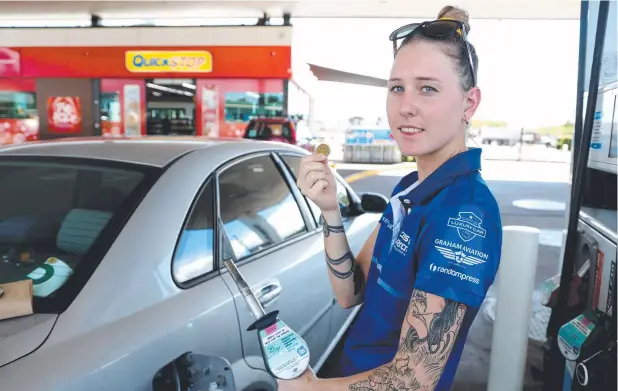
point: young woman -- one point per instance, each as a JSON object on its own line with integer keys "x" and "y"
{"x": 425, "y": 270}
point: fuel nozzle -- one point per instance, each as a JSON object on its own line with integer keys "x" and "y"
{"x": 229, "y": 260}
{"x": 252, "y": 302}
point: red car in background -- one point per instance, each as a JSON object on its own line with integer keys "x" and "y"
{"x": 281, "y": 129}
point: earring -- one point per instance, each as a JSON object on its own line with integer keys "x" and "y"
{"x": 467, "y": 123}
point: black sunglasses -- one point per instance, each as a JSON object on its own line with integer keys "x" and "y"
{"x": 441, "y": 28}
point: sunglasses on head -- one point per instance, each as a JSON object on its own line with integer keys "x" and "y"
{"x": 437, "y": 29}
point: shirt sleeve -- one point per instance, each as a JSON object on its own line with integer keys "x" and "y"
{"x": 459, "y": 253}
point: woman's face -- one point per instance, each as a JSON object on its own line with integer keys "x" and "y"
{"x": 425, "y": 104}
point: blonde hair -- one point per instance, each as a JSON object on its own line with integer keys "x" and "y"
{"x": 454, "y": 48}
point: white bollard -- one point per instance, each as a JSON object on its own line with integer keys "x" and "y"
{"x": 564, "y": 238}
{"x": 509, "y": 346}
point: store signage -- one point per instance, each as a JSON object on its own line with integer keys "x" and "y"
{"x": 168, "y": 61}
{"x": 64, "y": 114}
{"x": 9, "y": 63}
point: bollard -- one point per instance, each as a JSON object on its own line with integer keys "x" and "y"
{"x": 516, "y": 273}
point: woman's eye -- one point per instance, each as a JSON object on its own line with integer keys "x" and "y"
{"x": 427, "y": 89}
{"x": 397, "y": 89}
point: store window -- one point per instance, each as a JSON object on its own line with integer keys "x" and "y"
{"x": 123, "y": 107}
{"x": 17, "y": 105}
{"x": 19, "y": 120}
{"x": 110, "y": 107}
{"x": 243, "y": 106}
{"x": 224, "y": 107}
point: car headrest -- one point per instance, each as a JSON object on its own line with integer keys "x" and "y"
{"x": 104, "y": 198}
{"x": 80, "y": 229}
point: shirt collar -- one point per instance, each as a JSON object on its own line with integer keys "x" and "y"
{"x": 456, "y": 166}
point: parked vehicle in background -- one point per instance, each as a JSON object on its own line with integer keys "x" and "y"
{"x": 283, "y": 130}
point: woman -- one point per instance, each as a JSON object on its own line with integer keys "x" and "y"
{"x": 425, "y": 270}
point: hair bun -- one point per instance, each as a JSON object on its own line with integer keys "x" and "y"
{"x": 455, "y": 13}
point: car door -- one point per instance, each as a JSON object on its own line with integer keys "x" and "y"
{"x": 278, "y": 248}
{"x": 212, "y": 327}
{"x": 358, "y": 228}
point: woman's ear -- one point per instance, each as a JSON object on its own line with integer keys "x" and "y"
{"x": 472, "y": 100}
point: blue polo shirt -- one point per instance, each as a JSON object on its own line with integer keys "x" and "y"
{"x": 442, "y": 236}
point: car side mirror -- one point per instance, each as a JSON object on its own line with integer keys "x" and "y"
{"x": 373, "y": 202}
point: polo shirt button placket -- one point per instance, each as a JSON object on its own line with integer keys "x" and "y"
{"x": 407, "y": 207}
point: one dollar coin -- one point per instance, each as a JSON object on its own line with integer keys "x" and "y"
{"x": 323, "y": 149}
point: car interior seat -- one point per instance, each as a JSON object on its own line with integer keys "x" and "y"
{"x": 79, "y": 230}
{"x": 28, "y": 230}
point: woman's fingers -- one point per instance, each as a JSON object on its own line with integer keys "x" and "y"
{"x": 308, "y": 163}
{"x": 317, "y": 188}
{"x": 314, "y": 176}
{"x": 309, "y": 173}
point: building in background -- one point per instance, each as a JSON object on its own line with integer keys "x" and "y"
{"x": 208, "y": 81}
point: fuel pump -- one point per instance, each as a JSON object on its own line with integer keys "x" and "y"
{"x": 580, "y": 353}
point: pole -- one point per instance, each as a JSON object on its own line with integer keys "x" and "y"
{"x": 516, "y": 273}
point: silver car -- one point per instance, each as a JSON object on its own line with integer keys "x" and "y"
{"x": 119, "y": 240}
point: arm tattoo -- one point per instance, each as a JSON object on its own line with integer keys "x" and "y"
{"x": 354, "y": 270}
{"x": 336, "y": 229}
{"x": 338, "y": 261}
{"x": 423, "y": 350}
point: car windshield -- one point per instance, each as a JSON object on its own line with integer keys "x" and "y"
{"x": 58, "y": 217}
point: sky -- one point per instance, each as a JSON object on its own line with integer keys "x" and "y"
{"x": 527, "y": 68}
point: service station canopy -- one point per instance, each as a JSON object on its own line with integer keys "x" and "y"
{"x": 481, "y": 9}
{"x": 44, "y": 13}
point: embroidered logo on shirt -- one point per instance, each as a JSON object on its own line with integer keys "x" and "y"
{"x": 454, "y": 273}
{"x": 459, "y": 256}
{"x": 468, "y": 226}
{"x": 402, "y": 243}
{"x": 387, "y": 222}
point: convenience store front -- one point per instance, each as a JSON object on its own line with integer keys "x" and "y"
{"x": 50, "y": 92}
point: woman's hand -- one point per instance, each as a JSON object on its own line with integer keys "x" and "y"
{"x": 316, "y": 181}
{"x": 305, "y": 382}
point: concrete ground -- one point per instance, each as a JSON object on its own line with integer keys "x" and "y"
{"x": 509, "y": 181}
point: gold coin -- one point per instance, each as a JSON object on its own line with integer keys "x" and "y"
{"x": 323, "y": 149}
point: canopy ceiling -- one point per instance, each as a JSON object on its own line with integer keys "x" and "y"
{"x": 483, "y": 9}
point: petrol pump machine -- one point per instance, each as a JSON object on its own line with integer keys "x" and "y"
{"x": 581, "y": 350}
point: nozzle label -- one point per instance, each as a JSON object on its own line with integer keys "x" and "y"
{"x": 286, "y": 354}
{"x": 572, "y": 336}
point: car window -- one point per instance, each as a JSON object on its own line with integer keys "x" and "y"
{"x": 257, "y": 207}
{"x": 287, "y": 131}
{"x": 194, "y": 252}
{"x": 342, "y": 194}
{"x": 52, "y": 214}
{"x": 257, "y": 130}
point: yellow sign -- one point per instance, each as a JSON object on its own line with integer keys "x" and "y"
{"x": 168, "y": 61}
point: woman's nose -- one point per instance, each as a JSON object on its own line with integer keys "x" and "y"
{"x": 407, "y": 106}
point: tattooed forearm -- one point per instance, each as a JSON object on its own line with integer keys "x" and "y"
{"x": 427, "y": 338}
{"x": 333, "y": 262}
{"x": 327, "y": 229}
{"x": 353, "y": 270}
